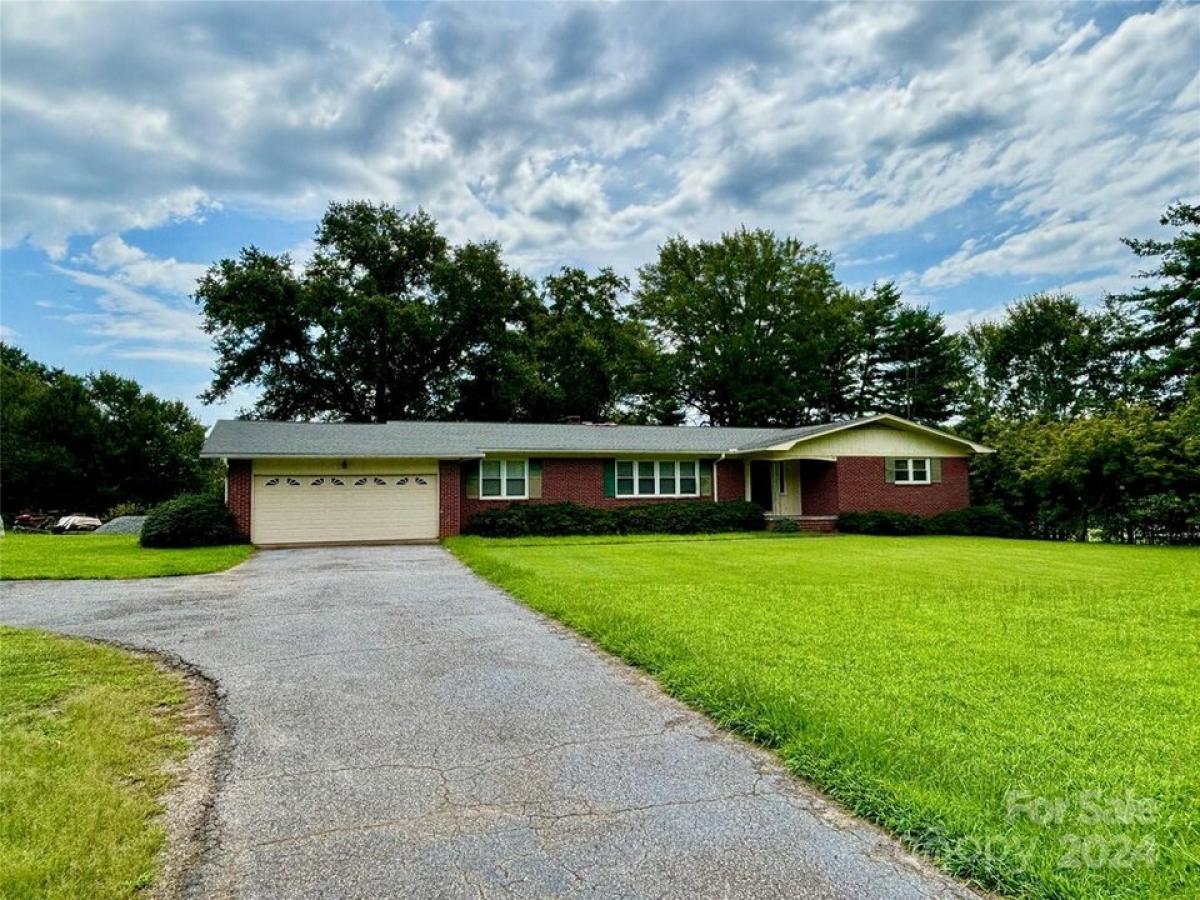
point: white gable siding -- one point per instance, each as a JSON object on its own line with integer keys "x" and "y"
{"x": 874, "y": 440}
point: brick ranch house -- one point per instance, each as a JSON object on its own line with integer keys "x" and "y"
{"x": 291, "y": 483}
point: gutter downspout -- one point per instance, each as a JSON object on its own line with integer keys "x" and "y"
{"x": 717, "y": 479}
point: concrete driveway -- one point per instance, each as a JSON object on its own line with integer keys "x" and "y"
{"x": 400, "y": 728}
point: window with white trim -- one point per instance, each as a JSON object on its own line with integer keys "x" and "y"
{"x": 504, "y": 479}
{"x": 658, "y": 478}
{"x": 912, "y": 470}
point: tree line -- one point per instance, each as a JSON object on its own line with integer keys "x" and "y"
{"x": 1095, "y": 413}
{"x": 88, "y": 444}
{"x": 1093, "y": 410}
{"x": 390, "y": 321}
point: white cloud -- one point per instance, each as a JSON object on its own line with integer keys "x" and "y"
{"x": 1111, "y": 137}
{"x": 301, "y": 255}
{"x": 133, "y": 266}
{"x": 961, "y": 318}
{"x": 6, "y": 333}
{"x": 168, "y": 354}
{"x": 589, "y": 134}
{"x": 137, "y": 313}
{"x": 111, "y": 252}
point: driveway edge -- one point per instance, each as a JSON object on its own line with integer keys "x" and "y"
{"x": 187, "y": 808}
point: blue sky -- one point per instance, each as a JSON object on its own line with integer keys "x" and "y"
{"x": 974, "y": 153}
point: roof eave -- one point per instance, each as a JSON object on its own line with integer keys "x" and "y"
{"x": 603, "y": 451}
{"x": 771, "y": 448}
{"x": 236, "y": 454}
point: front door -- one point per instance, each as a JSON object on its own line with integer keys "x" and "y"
{"x": 762, "y": 489}
{"x": 785, "y": 488}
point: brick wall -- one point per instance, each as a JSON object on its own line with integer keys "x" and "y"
{"x": 582, "y": 481}
{"x": 862, "y": 486}
{"x": 854, "y": 484}
{"x": 238, "y": 489}
{"x": 449, "y": 498}
{"x": 818, "y": 488}
{"x": 731, "y": 479}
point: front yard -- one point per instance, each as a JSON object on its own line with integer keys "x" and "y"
{"x": 24, "y": 556}
{"x": 1027, "y": 713}
{"x": 86, "y": 734}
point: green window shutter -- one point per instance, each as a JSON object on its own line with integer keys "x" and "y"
{"x": 610, "y": 478}
{"x": 891, "y": 469}
{"x": 935, "y": 470}
{"x": 471, "y": 470}
{"x": 535, "y": 479}
{"x": 706, "y": 477}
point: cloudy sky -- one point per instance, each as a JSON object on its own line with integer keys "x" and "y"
{"x": 973, "y": 152}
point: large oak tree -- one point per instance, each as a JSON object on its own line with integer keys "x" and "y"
{"x": 758, "y": 331}
{"x": 389, "y": 321}
{"x": 756, "y": 328}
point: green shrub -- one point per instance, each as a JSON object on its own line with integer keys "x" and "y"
{"x": 785, "y": 526}
{"x": 192, "y": 520}
{"x": 521, "y": 519}
{"x": 550, "y": 519}
{"x": 881, "y": 522}
{"x": 690, "y": 518}
{"x": 978, "y": 521}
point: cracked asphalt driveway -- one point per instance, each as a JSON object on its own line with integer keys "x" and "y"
{"x": 400, "y": 728}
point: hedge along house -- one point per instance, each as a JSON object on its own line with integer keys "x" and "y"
{"x": 291, "y": 483}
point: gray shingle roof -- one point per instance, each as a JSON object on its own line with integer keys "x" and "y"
{"x": 784, "y": 435}
{"x": 242, "y": 439}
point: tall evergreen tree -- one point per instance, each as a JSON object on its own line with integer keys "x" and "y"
{"x": 1168, "y": 311}
{"x": 876, "y": 320}
{"x": 922, "y": 370}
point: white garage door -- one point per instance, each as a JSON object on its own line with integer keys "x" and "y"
{"x": 332, "y": 508}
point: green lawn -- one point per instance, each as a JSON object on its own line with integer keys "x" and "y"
{"x": 85, "y": 732}
{"x": 1027, "y": 713}
{"x": 107, "y": 556}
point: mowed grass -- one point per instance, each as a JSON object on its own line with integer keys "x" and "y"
{"x": 1027, "y": 713}
{"x": 85, "y": 734}
{"x": 24, "y": 556}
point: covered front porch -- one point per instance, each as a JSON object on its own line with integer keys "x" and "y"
{"x": 803, "y": 490}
